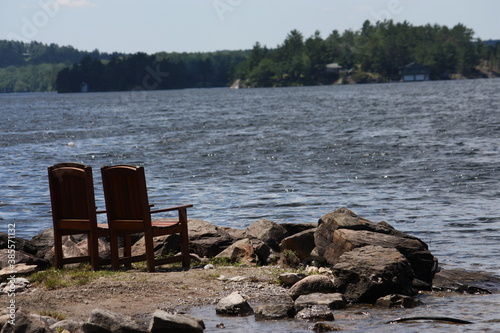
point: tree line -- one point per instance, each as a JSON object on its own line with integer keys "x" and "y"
{"x": 33, "y": 67}
{"x": 376, "y": 52}
{"x": 141, "y": 71}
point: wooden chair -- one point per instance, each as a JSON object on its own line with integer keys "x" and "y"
{"x": 129, "y": 212}
{"x": 74, "y": 211}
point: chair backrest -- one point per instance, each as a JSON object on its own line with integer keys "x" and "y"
{"x": 72, "y": 196}
{"x": 126, "y": 197}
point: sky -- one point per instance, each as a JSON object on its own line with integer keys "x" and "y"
{"x": 152, "y": 26}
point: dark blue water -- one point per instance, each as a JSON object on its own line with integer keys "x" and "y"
{"x": 422, "y": 156}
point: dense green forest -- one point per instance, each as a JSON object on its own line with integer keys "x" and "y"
{"x": 34, "y": 66}
{"x": 141, "y": 71}
{"x": 375, "y": 53}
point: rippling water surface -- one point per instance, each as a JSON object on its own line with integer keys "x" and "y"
{"x": 421, "y": 156}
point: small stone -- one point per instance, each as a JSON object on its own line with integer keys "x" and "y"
{"x": 235, "y": 305}
{"x": 316, "y": 312}
{"x": 322, "y": 327}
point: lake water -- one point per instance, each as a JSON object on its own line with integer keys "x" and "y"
{"x": 422, "y": 156}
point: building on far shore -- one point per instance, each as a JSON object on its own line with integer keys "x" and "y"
{"x": 333, "y": 68}
{"x": 84, "y": 87}
{"x": 415, "y": 72}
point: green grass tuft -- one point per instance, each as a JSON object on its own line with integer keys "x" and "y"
{"x": 61, "y": 278}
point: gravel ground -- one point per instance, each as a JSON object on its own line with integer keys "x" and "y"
{"x": 139, "y": 294}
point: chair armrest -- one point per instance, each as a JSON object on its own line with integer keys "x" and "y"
{"x": 170, "y": 209}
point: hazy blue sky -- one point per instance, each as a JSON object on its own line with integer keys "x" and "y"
{"x": 208, "y": 25}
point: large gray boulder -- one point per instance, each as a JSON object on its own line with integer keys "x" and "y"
{"x": 19, "y": 243}
{"x": 267, "y": 231}
{"x": 343, "y": 231}
{"x": 162, "y": 245}
{"x": 44, "y": 241}
{"x": 240, "y": 251}
{"x": 295, "y": 228}
{"x": 301, "y": 243}
{"x": 367, "y": 273}
{"x": 207, "y": 240}
{"x": 416, "y": 252}
{"x": 22, "y": 257}
{"x": 164, "y": 321}
{"x": 73, "y": 247}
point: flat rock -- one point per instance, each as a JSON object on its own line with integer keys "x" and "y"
{"x": 315, "y": 313}
{"x": 102, "y": 321}
{"x": 274, "y": 311}
{"x": 18, "y": 269}
{"x": 164, "y": 321}
{"x": 463, "y": 281}
{"x": 334, "y": 301}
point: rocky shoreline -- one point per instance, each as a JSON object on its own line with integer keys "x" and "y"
{"x": 302, "y": 271}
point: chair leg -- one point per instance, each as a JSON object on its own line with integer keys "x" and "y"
{"x": 150, "y": 252}
{"x": 113, "y": 243}
{"x": 93, "y": 244}
{"x": 127, "y": 249}
{"x": 186, "y": 259}
{"x": 58, "y": 252}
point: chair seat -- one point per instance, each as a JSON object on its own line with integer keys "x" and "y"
{"x": 164, "y": 223}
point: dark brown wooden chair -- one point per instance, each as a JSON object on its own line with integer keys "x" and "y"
{"x": 129, "y": 212}
{"x": 74, "y": 211}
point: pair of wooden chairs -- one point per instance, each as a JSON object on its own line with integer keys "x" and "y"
{"x": 128, "y": 212}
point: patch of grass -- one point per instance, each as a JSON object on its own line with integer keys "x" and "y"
{"x": 53, "y": 314}
{"x": 223, "y": 261}
{"x": 61, "y": 278}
